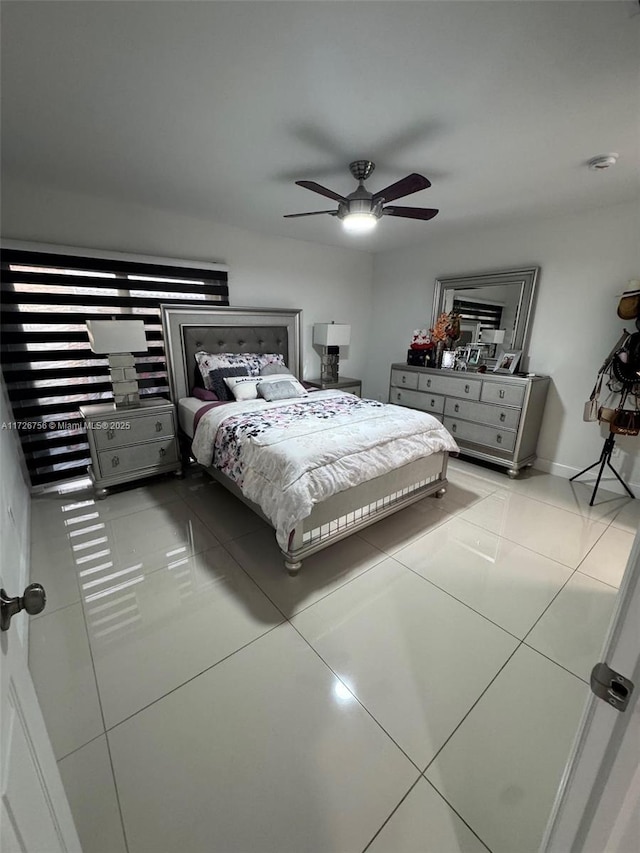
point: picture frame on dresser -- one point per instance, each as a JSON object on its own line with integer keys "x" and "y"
{"x": 473, "y": 356}
{"x": 507, "y": 362}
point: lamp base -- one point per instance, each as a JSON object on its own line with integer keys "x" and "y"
{"x": 124, "y": 379}
{"x": 329, "y": 365}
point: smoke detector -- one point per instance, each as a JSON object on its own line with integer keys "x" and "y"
{"x": 602, "y": 162}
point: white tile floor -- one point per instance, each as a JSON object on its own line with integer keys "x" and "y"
{"x": 388, "y": 699}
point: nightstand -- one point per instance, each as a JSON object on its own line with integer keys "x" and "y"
{"x": 128, "y": 443}
{"x": 344, "y": 383}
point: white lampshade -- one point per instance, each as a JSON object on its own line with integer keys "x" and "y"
{"x": 492, "y": 336}
{"x": 331, "y": 334}
{"x": 107, "y": 336}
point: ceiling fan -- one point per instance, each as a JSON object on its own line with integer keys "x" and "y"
{"x": 360, "y": 211}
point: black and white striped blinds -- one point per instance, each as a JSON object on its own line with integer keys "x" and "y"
{"x": 48, "y": 367}
{"x": 478, "y": 312}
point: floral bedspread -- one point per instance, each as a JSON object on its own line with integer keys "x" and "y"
{"x": 286, "y": 456}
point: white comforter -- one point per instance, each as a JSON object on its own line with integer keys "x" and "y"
{"x": 287, "y": 471}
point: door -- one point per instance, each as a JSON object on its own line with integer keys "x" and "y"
{"x": 598, "y": 803}
{"x": 35, "y": 815}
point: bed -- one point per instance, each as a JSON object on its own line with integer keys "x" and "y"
{"x": 328, "y": 515}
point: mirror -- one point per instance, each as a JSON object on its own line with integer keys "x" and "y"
{"x": 488, "y": 303}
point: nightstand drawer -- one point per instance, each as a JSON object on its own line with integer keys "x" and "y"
{"x": 484, "y": 435}
{"x": 404, "y": 379}
{"x": 131, "y": 430}
{"x": 482, "y": 413}
{"x": 351, "y": 389}
{"x": 127, "y": 459}
{"x": 502, "y": 392}
{"x": 417, "y": 400}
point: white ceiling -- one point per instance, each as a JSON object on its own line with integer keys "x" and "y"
{"x": 214, "y": 109}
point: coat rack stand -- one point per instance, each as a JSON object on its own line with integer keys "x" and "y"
{"x": 605, "y": 459}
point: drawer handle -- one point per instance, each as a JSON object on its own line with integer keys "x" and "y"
{"x": 503, "y": 417}
{"x": 499, "y": 438}
{"x": 115, "y": 461}
{"x": 398, "y": 396}
{"x": 158, "y": 426}
{"x": 404, "y": 379}
{"x": 428, "y": 383}
{"x": 433, "y": 404}
{"x": 467, "y": 388}
{"x": 454, "y": 427}
{"x": 501, "y": 394}
{"x": 110, "y": 435}
{"x": 456, "y": 408}
{"x": 162, "y": 451}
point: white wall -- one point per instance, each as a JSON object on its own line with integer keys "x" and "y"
{"x": 584, "y": 259}
{"x": 327, "y": 282}
{"x": 15, "y": 505}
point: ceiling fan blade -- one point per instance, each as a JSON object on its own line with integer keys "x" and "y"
{"x": 410, "y": 212}
{"x": 318, "y": 188}
{"x": 411, "y": 184}
{"x": 313, "y": 213}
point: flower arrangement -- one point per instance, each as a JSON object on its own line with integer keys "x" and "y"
{"x": 446, "y": 329}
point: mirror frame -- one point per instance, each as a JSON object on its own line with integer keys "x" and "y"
{"x": 525, "y": 278}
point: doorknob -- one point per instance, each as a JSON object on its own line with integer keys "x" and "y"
{"x": 33, "y": 601}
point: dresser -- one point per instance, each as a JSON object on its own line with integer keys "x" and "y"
{"x": 129, "y": 443}
{"x": 344, "y": 383}
{"x": 494, "y": 417}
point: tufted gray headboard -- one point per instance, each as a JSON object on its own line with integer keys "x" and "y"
{"x": 188, "y": 329}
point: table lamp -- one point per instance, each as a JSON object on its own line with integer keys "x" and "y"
{"x": 493, "y": 337}
{"x": 331, "y": 336}
{"x": 120, "y": 339}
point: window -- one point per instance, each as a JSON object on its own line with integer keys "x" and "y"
{"x": 48, "y": 367}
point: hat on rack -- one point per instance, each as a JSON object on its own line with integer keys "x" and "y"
{"x": 629, "y": 305}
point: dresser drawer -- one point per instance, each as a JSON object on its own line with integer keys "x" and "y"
{"x": 482, "y": 413}
{"x": 502, "y": 392}
{"x": 126, "y": 459}
{"x": 417, "y": 400}
{"x": 452, "y": 386}
{"x": 131, "y": 430}
{"x": 404, "y": 379}
{"x": 479, "y": 434}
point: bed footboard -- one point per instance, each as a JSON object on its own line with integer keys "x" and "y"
{"x": 355, "y": 508}
{"x": 363, "y": 505}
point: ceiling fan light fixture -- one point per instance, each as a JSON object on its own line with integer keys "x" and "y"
{"x": 359, "y": 223}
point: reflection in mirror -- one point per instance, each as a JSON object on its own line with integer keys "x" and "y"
{"x": 494, "y": 308}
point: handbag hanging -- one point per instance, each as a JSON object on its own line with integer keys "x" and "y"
{"x": 625, "y": 422}
{"x": 592, "y": 405}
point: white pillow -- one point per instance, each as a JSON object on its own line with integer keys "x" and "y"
{"x": 243, "y": 387}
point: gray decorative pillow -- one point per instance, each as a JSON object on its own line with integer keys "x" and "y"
{"x": 274, "y": 367}
{"x": 281, "y": 389}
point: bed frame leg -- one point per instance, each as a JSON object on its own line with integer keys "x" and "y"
{"x": 292, "y": 567}
{"x": 441, "y": 492}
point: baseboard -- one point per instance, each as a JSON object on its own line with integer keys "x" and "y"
{"x": 608, "y": 481}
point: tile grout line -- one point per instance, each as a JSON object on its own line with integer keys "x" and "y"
{"x": 482, "y": 693}
{"x": 394, "y": 810}
{"x": 551, "y": 660}
{"x": 571, "y": 576}
{"x": 106, "y": 738}
{"x": 193, "y": 677}
{"x": 511, "y": 490}
{"x": 358, "y": 700}
{"x": 468, "y": 825}
{"x": 459, "y": 601}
